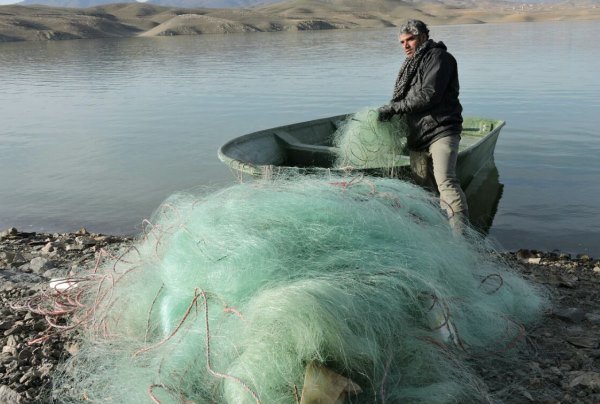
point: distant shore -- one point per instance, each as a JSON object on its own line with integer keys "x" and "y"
{"x": 39, "y": 23}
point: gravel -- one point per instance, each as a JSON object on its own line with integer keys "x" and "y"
{"x": 561, "y": 364}
{"x": 31, "y": 349}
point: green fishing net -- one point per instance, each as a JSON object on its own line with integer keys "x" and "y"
{"x": 366, "y": 143}
{"x": 228, "y": 296}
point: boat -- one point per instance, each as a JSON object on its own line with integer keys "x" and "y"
{"x": 307, "y": 147}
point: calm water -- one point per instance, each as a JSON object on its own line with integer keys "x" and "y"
{"x": 97, "y": 133}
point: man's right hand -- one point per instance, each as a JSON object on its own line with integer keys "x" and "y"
{"x": 385, "y": 113}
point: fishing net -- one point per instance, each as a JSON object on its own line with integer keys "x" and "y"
{"x": 366, "y": 143}
{"x": 229, "y": 296}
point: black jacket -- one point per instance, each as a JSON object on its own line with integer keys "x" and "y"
{"x": 431, "y": 105}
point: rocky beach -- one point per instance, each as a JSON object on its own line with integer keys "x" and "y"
{"x": 560, "y": 365}
{"x": 31, "y": 348}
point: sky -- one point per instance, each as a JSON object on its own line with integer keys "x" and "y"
{"x": 116, "y": 1}
{"x": 4, "y": 2}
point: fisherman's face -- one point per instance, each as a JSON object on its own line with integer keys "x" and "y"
{"x": 411, "y": 42}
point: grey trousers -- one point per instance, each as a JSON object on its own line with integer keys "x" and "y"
{"x": 435, "y": 169}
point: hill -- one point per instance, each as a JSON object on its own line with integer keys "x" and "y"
{"x": 30, "y": 23}
{"x": 254, "y": 3}
{"x": 169, "y": 3}
{"x": 257, "y": 3}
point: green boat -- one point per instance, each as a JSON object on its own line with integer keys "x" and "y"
{"x": 307, "y": 147}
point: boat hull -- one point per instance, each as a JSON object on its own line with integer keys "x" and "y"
{"x": 307, "y": 148}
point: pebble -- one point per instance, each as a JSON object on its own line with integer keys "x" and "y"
{"x": 586, "y": 379}
{"x": 593, "y": 318}
{"x": 570, "y": 314}
{"x": 8, "y": 395}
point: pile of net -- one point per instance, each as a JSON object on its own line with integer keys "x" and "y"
{"x": 230, "y": 296}
{"x": 364, "y": 142}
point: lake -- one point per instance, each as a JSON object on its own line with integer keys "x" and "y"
{"x": 96, "y": 133}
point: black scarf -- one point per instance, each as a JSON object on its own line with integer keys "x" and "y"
{"x": 409, "y": 69}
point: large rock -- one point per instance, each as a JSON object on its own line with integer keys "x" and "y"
{"x": 9, "y": 396}
{"x": 39, "y": 265}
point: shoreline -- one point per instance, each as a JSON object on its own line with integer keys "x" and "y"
{"x": 126, "y": 20}
{"x": 562, "y": 366}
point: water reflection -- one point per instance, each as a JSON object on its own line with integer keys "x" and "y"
{"x": 483, "y": 196}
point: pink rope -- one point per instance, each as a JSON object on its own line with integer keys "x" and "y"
{"x": 208, "y": 362}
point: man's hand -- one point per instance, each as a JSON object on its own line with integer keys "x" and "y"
{"x": 385, "y": 113}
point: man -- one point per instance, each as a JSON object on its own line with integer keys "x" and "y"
{"x": 426, "y": 92}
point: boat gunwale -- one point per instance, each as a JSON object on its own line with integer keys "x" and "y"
{"x": 261, "y": 169}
